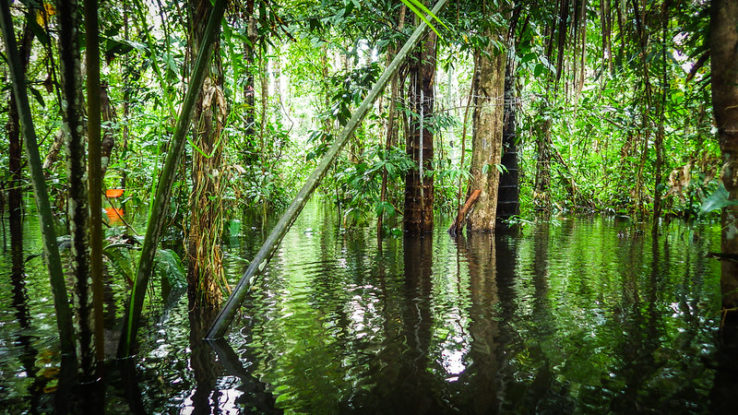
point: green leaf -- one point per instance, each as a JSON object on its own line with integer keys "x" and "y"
{"x": 538, "y": 70}
{"x": 38, "y": 97}
{"x": 37, "y": 30}
{"x": 719, "y": 199}
{"x": 416, "y": 6}
{"x": 120, "y": 261}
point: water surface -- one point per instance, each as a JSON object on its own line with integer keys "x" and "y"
{"x": 585, "y": 315}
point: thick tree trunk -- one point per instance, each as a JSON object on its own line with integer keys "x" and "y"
{"x": 724, "y": 53}
{"x": 205, "y": 266}
{"x": 15, "y": 166}
{"x": 508, "y": 196}
{"x": 69, "y": 19}
{"x": 419, "y": 142}
{"x": 487, "y": 140}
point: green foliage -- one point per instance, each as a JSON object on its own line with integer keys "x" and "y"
{"x": 718, "y": 200}
{"x": 360, "y": 183}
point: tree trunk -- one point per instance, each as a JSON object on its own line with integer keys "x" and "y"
{"x": 15, "y": 165}
{"x": 249, "y": 91}
{"x": 205, "y": 266}
{"x": 126, "y": 109}
{"x": 508, "y": 196}
{"x": 164, "y": 189}
{"x": 51, "y": 251}
{"x": 487, "y": 139}
{"x": 541, "y": 197}
{"x": 419, "y": 142}
{"x": 660, "y": 131}
{"x": 95, "y": 174}
{"x": 69, "y": 43}
{"x": 724, "y": 53}
{"x": 391, "y": 125}
{"x": 107, "y": 112}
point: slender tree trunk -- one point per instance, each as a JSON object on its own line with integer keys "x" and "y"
{"x": 95, "y": 174}
{"x": 489, "y": 110}
{"x": 205, "y": 266}
{"x": 126, "y": 108}
{"x": 561, "y": 40}
{"x": 541, "y": 196}
{"x": 263, "y": 119}
{"x": 108, "y": 116}
{"x": 15, "y": 164}
{"x": 69, "y": 42}
{"x": 458, "y": 225}
{"x": 724, "y": 53}
{"x": 660, "y": 131}
{"x": 249, "y": 91}
{"x": 419, "y": 141}
{"x": 642, "y": 37}
{"x": 391, "y": 125}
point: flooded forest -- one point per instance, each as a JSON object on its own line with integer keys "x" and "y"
{"x": 368, "y": 206}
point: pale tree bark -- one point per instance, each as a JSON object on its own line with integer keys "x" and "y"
{"x": 489, "y": 110}
{"x": 724, "y": 54}
{"x": 73, "y": 126}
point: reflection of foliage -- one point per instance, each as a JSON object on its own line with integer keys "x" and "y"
{"x": 584, "y": 326}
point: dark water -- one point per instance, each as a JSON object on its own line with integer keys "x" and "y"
{"x": 585, "y": 315}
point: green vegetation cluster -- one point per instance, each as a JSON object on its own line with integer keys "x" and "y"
{"x": 314, "y": 61}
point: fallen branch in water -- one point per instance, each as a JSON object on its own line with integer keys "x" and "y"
{"x": 458, "y": 224}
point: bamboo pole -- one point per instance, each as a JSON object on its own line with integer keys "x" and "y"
{"x": 288, "y": 217}
{"x": 53, "y": 261}
{"x": 163, "y": 190}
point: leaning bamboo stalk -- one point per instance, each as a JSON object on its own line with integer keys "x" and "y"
{"x": 53, "y": 261}
{"x": 164, "y": 188}
{"x": 288, "y": 217}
